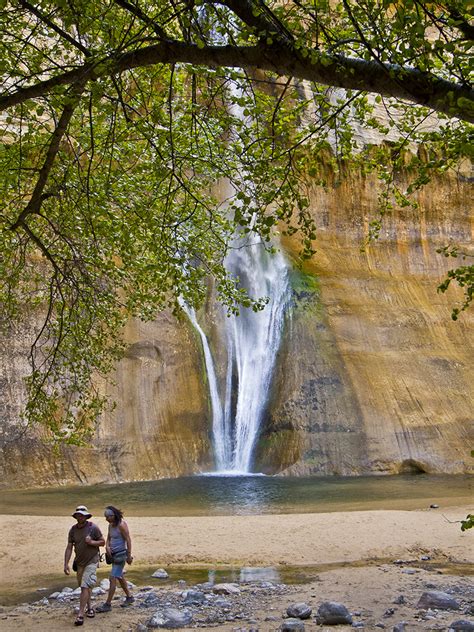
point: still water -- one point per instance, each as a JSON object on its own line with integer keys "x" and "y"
{"x": 228, "y": 495}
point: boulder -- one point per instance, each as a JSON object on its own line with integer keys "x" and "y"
{"x": 193, "y": 597}
{"x": 438, "y": 600}
{"x": 299, "y": 611}
{"x": 226, "y": 589}
{"x": 170, "y": 618}
{"x": 333, "y": 613}
{"x": 461, "y": 626}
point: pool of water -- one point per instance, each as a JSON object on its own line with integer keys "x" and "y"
{"x": 228, "y": 495}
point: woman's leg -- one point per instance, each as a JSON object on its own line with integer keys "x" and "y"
{"x": 123, "y": 583}
{"x": 112, "y": 587}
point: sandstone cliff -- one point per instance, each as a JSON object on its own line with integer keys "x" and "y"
{"x": 372, "y": 376}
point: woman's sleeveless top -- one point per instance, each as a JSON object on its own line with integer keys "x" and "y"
{"x": 117, "y": 541}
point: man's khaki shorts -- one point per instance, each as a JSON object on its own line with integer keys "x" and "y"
{"x": 87, "y": 575}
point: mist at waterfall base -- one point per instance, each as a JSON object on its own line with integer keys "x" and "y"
{"x": 248, "y": 495}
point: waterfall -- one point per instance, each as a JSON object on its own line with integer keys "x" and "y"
{"x": 252, "y": 340}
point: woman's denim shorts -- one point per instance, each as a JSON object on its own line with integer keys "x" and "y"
{"x": 118, "y": 562}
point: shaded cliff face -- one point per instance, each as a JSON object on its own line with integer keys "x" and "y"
{"x": 159, "y": 427}
{"x": 374, "y": 376}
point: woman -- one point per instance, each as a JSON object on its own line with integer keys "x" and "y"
{"x": 119, "y": 548}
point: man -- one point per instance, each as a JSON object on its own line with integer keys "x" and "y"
{"x": 86, "y": 538}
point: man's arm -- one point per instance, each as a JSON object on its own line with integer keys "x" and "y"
{"x": 99, "y": 538}
{"x": 67, "y": 557}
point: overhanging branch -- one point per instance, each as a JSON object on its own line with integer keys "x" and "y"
{"x": 388, "y": 80}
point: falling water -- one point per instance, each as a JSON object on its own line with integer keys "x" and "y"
{"x": 253, "y": 339}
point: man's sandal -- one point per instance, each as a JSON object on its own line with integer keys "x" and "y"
{"x": 90, "y": 613}
{"x": 79, "y": 620}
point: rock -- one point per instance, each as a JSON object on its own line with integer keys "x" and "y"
{"x": 150, "y": 601}
{"x": 400, "y": 600}
{"x": 147, "y": 588}
{"x": 389, "y": 613}
{"x": 67, "y": 589}
{"x": 425, "y": 558}
{"x": 160, "y": 574}
{"x": 299, "y": 611}
{"x": 54, "y": 595}
{"x": 226, "y": 589}
{"x": 289, "y": 625}
{"x": 461, "y": 625}
{"x": 358, "y": 624}
{"x": 434, "y": 506}
{"x": 195, "y": 597}
{"x": 437, "y": 599}
{"x": 333, "y": 613}
{"x": 105, "y": 584}
{"x": 41, "y": 589}
{"x": 43, "y": 602}
{"x": 97, "y": 591}
{"x": 170, "y": 618}
{"x": 220, "y": 602}
{"x": 400, "y": 627}
{"x": 141, "y": 628}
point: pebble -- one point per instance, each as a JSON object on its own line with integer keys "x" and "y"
{"x": 292, "y": 625}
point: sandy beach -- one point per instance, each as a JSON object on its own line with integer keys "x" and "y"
{"x": 32, "y": 549}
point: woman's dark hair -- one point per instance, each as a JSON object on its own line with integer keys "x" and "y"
{"x": 118, "y": 514}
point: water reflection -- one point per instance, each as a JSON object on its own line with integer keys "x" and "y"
{"x": 256, "y": 574}
{"x": 229, "y": 495}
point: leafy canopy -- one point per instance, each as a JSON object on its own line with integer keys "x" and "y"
{"x": 141, "y": 136}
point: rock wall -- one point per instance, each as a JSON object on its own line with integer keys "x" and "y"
{"x": 372, "y": 376}
{"x": 159, "y": 427}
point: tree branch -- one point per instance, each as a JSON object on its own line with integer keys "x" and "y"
{"x": 29, "y": 7}
{"x": 389, "y": 80}
{"x": 137, "y": 12}
{"x": 38, "y": 196}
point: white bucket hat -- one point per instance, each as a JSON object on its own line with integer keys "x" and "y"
{"x": 82, "y": 509}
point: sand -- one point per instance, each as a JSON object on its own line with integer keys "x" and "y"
{"x": 33, "y": 547}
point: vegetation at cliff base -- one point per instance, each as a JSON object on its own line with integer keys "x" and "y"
{"x": 139, "y": 137}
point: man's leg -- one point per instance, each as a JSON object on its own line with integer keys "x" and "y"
{"x": 84, "y": 601}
